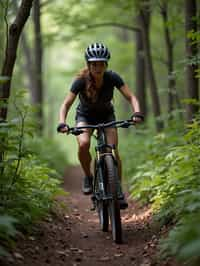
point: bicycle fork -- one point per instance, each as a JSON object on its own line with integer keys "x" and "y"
{"x": 99, "y": 189}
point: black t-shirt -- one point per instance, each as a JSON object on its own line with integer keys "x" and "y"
{"x": 103, "y": 104}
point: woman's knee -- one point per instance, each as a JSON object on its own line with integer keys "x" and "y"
{"x": 112, "y": 136}
{"x": 84, "y": 145}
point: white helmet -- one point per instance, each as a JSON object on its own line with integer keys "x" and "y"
{"x": 97, "y": 52}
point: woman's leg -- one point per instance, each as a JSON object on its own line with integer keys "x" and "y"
{"x": 112, "y": 138}
{"x": 85, "y": 157}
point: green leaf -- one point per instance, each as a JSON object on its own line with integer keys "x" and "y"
{"x": 6, "y": 225}
{"x": 190, "y": 250}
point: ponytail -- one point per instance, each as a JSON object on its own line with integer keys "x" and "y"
{"x": 90, "y": 88}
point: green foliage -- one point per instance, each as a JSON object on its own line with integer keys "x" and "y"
{"x": 32, "y": 194}
{"x": 49, "y": 152}
{"x": 7, "y": 231}
{"x": 184, "y": 240}
{"x": 28, "y": 186}
{"x": 168, "y": 178}
{"x": 164, "y": 168}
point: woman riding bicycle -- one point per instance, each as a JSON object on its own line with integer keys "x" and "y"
{"x": 95, "y": 86}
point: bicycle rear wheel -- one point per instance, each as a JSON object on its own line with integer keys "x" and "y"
{"x": 102, "y": 207}
{"x": 113, "y": 204}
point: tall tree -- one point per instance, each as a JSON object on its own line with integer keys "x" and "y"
{"x": 191, "y": 54}
{"x": 37, "y": 93}
{"x": 173, "y": 98}
{"x": 29, "y": 65}
{"x": 144, "y": 15}
{"x": 34, "y": 61}
{"x": 170, "y": 57}
{"x": 4, "y": 25}
{"x": 140, "y": 70}
{"x": 29, "y": 55}
{"x": 12, "y": 41}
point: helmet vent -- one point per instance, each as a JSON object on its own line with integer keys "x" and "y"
{"x": 97, "y": 52}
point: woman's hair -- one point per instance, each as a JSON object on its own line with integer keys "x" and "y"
{"x": 90, "y": 88}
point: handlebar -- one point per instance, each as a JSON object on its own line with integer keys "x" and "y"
{"x": 121, "y": 123}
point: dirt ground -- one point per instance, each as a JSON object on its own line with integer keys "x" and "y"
{"x": 73, "y": 237}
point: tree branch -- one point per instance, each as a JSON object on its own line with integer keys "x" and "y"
{"x": 113, "y": 24}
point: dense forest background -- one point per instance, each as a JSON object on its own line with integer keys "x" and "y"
{"x": 154, "y": 46}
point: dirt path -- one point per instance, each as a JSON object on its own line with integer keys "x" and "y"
{"x": 74, "y": 238}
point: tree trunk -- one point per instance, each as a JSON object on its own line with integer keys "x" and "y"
{"x": 15, "y": 30}
{"x": 191, "y": 53}
{"x": 29, "y": 63}
{"x": 37, "y": 93}
{"x": 173, "y": 97}
{"x": 169, "y": 47}
{"x": 145, "y": 23}
{"x": 140, "y": 70}
{"x": 2, "y": 35}
{"x": 123, "y": 35}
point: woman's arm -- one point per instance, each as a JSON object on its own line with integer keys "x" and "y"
{"x": 130, "y": 97}
{"x": 64, "y": 109}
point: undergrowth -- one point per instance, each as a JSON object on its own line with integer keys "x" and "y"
{"x": 28, "y": 183}
{"x": 166, "y": 175}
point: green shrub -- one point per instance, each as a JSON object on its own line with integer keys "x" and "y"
{"x": 184, "y": 240}
{"x": 7, "y": 232}
{"x": 49, "y": 152}
{"x": 168, "y": 178}
{"x": 28, "y": 186}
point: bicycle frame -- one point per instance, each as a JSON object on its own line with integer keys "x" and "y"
{"x": 102, "y": 149}
{"x": 105, "y": 183}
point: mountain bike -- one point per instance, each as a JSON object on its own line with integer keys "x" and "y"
{"x": 106, "y": 182}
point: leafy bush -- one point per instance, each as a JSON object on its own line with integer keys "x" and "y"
{"x": 184, "y": 240}
{"x": 168, "y": 178}
{"x": 33, "y": 193}
{"x": 28, "y": 186}
{"x": 49, "y": 152}
{"x": 7, "y": 231}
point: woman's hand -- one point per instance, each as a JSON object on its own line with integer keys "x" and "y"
{"x": 137, "y": 117}
{"x": 62, "y": 128}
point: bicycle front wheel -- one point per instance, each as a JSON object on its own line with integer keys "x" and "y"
{"x": 102, "y": 207}
{"x": 113, "y": 204}
{"x": 103, "y": 215}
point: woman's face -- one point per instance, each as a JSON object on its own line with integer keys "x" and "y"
{"x": 97, "y": 68}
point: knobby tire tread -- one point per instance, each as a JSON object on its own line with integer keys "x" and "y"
{"x": 102, "y": 207}
{"x": 114, "y": 207}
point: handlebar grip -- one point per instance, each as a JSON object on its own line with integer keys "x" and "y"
{"x": 76, "y": 131}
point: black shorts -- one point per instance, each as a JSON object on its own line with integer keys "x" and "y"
{"x": 94, "y": 119}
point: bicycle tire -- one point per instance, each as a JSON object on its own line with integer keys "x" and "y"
{"x": 102, "y": 207}
{"x": 113, "y": 204}
{"x": 103, "y": 216}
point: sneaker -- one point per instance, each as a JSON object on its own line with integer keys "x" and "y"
{"x": 87, "y": 185}
{"x": 120, "y": 195}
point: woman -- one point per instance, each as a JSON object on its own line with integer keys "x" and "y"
{"x": 95, "y": 86}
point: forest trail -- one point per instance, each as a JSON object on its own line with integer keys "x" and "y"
{"x": 74, "y": 238}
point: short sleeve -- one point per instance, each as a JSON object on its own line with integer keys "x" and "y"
{"x": 117, "y": 80}
{"x": 77, "y": 86}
